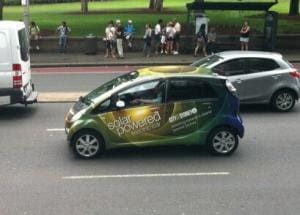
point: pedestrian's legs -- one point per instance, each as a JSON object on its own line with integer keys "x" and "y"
{"x": 120, "y": 47}
{"x": 64, "y": 44}
{"x": 60, "y": 44}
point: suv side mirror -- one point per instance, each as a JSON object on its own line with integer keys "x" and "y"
{"x": 120, "y": 104}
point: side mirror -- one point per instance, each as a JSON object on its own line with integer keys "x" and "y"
{"x": 120, "y": 104}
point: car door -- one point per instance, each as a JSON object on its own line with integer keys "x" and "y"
{"x": 187, "y": 110}
{"x": 259, "y": 78}
{"x": 235, "y": 71}
{"x": 140, "y": 118}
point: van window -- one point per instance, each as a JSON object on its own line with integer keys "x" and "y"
{"x": 180, "y": 89}
{"x": 24, "y": 48}
{"x": 3, "y": 48}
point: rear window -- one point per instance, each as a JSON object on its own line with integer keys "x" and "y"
{"x": 24, "y": 47}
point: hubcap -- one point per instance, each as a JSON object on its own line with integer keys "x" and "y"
{"x": 284, "y": 101}
{"x": 87, "y": 145}
{"x": 224, "y": 142}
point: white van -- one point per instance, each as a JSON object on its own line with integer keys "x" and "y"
{"x": 15, "y": 71}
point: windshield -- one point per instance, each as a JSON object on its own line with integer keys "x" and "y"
{"x": 108, "y": 86}
{"x": 207, "y": 61}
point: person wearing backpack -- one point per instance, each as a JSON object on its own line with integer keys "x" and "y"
{"x": 63, "y": 31}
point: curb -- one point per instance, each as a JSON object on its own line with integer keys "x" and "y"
{"x": 59, "y": 97}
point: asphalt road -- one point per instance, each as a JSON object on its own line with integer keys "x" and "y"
{"x": 40, "y": 175}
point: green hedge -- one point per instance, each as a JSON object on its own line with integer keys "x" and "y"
{"x": 18, "y": 2}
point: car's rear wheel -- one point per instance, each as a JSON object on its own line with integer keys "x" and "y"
{"x": 88, "y": 144}
{"x": 283, "y": 100}
{"x": 223, "y": 141}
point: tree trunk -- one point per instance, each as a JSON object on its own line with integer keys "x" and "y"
{"x": 294, "y": 8}
{"x": 84, "y": 6}
{"x": 151, "y": 4}
{"x": 1, "y": 9}
{"x": 158, "y": 6}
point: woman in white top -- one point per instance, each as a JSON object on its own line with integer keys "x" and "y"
{"x": 170, "y": 33}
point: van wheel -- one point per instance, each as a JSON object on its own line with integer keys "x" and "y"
{"x": 283, "y": 100}
{"x": 223, "y": 141}
{"x": 88, "y": 144}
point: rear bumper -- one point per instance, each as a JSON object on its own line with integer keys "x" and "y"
{"x": 14, "y": 96}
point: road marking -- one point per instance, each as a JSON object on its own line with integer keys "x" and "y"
{"x": 55, "y": 129}
{"x": 145, "y": 175}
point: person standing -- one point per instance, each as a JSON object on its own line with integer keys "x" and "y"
{"x": 211, "y": 40}
{"x": 128, "y": 33}
{"x": 177, "y": 28}
{"x": 244, "y": 39}
{"x": 170, "y": 33}
{"x": 201, "y": 41}
{"x": 109, "y": 37}
{"x": 120, "y": 37}
{"x": 63, "y": 31}
{"x": 147, "y": 40}
{"x": 157, "y": 35}
{"x": 34, "y": 33}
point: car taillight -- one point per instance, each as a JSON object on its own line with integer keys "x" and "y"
{"x": 295, "y": 74}
{"x": 17, "y": 78}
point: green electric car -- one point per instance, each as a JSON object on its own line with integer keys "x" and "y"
{"x": 167, "y": 105}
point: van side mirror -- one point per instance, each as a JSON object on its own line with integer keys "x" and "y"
{"x": 120, "y": 104}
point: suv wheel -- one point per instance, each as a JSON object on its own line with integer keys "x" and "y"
{"x": 223, "y": 141}
{"x": 88, "y": 144}
{"x": 283, "y": 100}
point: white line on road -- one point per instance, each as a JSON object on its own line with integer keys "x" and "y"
{"x": 55, "y": 129}
{"x": 145, "y": 175}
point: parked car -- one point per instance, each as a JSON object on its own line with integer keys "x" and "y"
{"x": 259, "y": 77}
{"x": 15, "y": 72}
{"x": 157, "y": 106}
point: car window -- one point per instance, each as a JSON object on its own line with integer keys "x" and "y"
{"x": 148, "y": 93}
{"x": 189, "y": 89}
{"x": 103, "y": 107}
{"x": 230, "y": 68}
{"x": 260, "y": 64}
{"x": 24, "y": 47}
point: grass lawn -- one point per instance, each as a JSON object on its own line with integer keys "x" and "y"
{"x": 49, "y": 16}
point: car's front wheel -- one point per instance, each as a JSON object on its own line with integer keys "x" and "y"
{"x": 223, "y": 141}
{"x": 88, "y": 144}
{"x": 283, "y": 100}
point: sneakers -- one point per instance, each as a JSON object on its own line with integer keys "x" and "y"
{"x": 175, "y": 53}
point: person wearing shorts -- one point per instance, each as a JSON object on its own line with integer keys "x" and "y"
{"x": 244, "y": 39}
{"x": 157, "y": 36}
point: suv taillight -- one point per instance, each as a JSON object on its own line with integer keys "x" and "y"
{"x": 17, "y": 78}
{"x": 295, "y": 74}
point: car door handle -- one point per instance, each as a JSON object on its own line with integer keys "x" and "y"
{"x": 238, "y": 81}
{"x": 276, "y": 76}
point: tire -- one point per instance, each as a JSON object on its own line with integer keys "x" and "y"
{"x": 223, "y": 141}
{"x": 283, "y": 101}
{"x": 88, "y": 144}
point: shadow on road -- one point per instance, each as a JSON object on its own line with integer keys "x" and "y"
{"x": 17, "y": 112}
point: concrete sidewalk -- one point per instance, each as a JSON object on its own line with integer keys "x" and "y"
{"x": 131, "y": 59}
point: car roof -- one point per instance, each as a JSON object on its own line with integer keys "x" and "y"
{"x": 12, "y": 24}
{"x": 238, "y": 54}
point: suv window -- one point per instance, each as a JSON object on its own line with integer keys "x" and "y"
{"x": 189, "y": 89}
{"x": 229, "y": 68}
{"x": 261, "y": 64}
{"x": 24, "y": 47}
{"x": 146, "y": 93}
